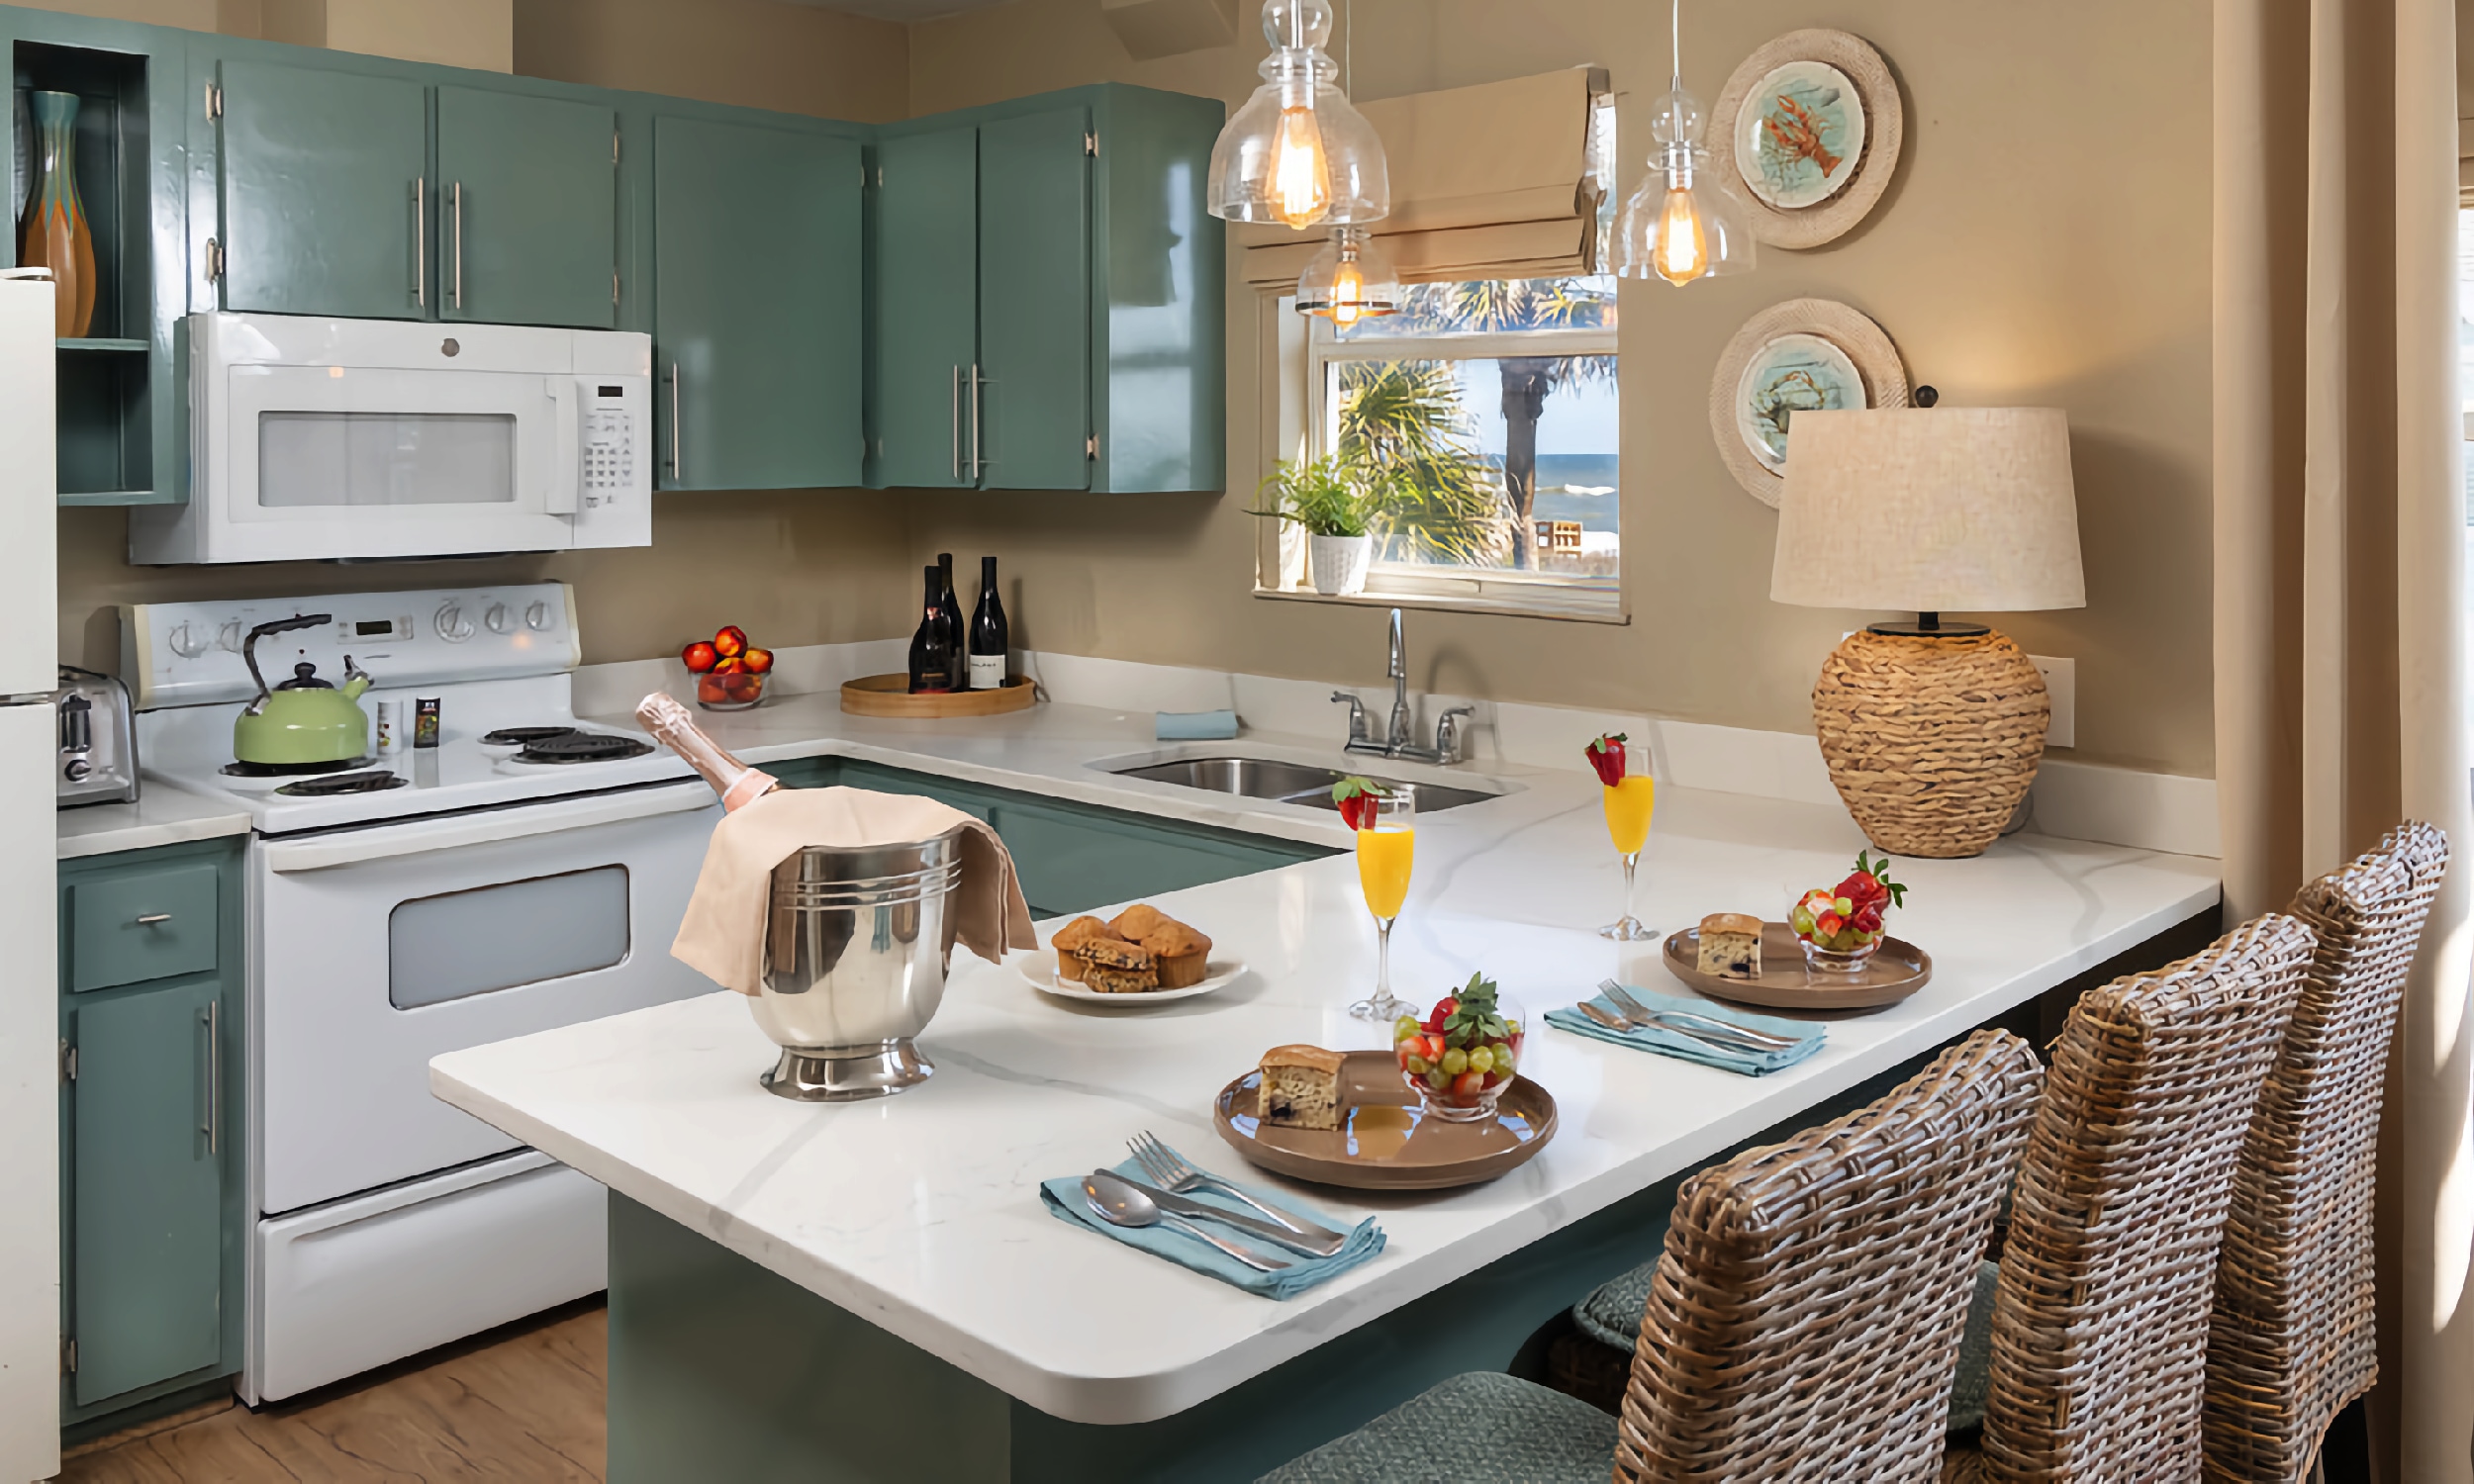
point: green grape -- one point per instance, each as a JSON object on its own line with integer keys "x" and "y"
{"x": 1418, "y": 1065}
{"x": 1455, "y": 1061}
{"x": 1480, "y": 1058}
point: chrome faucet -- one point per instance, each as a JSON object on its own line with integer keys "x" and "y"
{"x": 1396, "y": 743}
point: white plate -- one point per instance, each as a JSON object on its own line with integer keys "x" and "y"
{"x": 1040, "y": 969}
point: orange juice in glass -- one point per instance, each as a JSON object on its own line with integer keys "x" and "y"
{"x": 1630, "y": 796}
{"x": 1386, "y": 834}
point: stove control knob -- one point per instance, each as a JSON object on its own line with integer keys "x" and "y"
{"x": 500, "y": 620}
{"x": 538, "y": 615}
{"x": 189, "y": 642}
{"x": 451, "y": 623}
{"x": 231, "y": 635}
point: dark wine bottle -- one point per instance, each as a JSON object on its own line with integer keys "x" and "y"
{"x": 934, "y": 647}
{"x": 961, "y": 680}
{"x": 988, "y": 634}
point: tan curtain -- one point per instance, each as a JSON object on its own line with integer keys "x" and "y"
{"x": 2339, "y": 522}
{"x": 1491, "y": 181}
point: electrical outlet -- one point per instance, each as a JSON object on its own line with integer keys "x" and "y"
{"x": 2061, "y": 681}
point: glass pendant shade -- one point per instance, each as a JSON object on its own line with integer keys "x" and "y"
{"x": 1296, "y": 154}
{"x": 1351, "y": 279}
{"x": 1682, "y": 223}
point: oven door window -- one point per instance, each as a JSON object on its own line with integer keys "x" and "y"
{"x": 489, "y": 938}
{"x": 344, "y": 458}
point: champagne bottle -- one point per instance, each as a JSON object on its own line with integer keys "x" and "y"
{"x": 960, "y": 630}
{"x": 670, "y": 723}
{"x": 934, "y": 647}
{"x": 989, "y": 636}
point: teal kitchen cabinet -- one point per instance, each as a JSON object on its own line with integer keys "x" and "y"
{"x": 152, "y": 1057}
{"x": 756, "y": 306}
{"x": 1095, "y": 292}
{"x": 528, "y": 188}
{"x": 325, "y": 202}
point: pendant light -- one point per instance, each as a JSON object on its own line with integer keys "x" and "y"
{"x": 1682, "y": 223}
{"x": 1349, "y": 280}
{"x": 1296, "y": 154}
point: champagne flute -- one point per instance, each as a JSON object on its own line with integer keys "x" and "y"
{"x": 1386, "y": 842}
{"x": 1628, "y": 801}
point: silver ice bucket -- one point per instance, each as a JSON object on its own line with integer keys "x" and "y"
{"x": 856, "y": 943}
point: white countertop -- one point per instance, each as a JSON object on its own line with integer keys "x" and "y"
{"x": 163, "y": 815}
{"x": 921, "y": 1212}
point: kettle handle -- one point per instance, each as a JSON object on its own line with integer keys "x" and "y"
{"x": 248, "y": 651}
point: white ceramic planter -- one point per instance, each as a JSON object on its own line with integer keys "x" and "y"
{"x": 1336, "y": 565}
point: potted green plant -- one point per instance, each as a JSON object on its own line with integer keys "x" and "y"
{"x": 1320, "y": 495}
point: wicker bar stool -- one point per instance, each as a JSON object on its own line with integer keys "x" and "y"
{"x": 1805, "y": 1322}
{"x": 2293, "y": 1340}
{"x": 2100, "y": 1318}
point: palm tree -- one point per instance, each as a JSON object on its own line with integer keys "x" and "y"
{"x": 1401, "y": 427}
{"x": 1514, "y": 304}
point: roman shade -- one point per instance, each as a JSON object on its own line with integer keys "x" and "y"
{"x": 1498, "y": 180}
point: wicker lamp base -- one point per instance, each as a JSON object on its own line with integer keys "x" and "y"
{"x": 1931, "y": 741}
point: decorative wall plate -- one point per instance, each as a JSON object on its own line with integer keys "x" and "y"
{"x": 1813, "y": 125}
{"x": 1800, "y": 355}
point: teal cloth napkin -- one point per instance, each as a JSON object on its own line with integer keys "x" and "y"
{"x": 1062, "y": 1197}
{"x": 1193, "y": 726}
{"x": 1684, "y": 1047}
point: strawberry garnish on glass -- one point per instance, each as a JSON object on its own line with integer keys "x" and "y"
{"x": 1355, "y": 797}
{"x": 1606, "y": 754}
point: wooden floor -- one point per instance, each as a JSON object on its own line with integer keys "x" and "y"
{"x": 520, "y": 1403}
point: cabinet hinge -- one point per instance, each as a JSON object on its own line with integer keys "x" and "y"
{"x": 68, "y": 1355}
{"x": 1091, "y": 446}
{"x": 1091, "y": 143}
{"x": 214, "y": 101}
{"x": 613, "y": 286}
{"x": 214, "y": 260}
{"x": 614, "y": 146}
{"x": 69, "y": 1062}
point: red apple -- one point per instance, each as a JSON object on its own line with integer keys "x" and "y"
{"x": 700, "y": 657}
{"x": 758, "y": 660}
{"x": 730, "y": 642}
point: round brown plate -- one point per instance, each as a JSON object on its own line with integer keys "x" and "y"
{"x": 1898, "y": 969}
{"x": 1384, "y": 1141}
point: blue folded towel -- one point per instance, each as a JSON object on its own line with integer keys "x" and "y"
{"x": 1064, "y": 1199}
{"x": 1669, "y": 1043}
{"x": 1193, "y": 726}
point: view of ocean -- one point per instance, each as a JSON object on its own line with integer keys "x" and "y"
{"x": 1562, "y": 477}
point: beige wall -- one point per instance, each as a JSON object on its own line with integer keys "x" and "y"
{"x": 2045, "y": 242}
{"x": 756, "y": 53}
{"x": 454, "y": 33}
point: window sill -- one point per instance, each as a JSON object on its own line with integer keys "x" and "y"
{"x": 1574, "y": 607}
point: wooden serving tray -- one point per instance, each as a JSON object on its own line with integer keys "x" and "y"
{"x": 1897, "y": 969}
{"x": 890, "y": 696}
{"x": 1384, "y": 1141}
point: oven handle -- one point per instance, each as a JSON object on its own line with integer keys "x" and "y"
{"x": 420, "y": 836}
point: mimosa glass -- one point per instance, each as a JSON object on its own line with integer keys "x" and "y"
{"x": 1386, "y": 847}
{"x": 1629, "y": 802}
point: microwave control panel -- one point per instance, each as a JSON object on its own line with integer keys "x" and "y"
{"x": 610, "y": 418}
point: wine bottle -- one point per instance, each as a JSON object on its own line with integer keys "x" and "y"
{"x": 934, "y": 647}
{"x": 670, "y": 723}
{"x": 959, "y": 629}
{"x": 988, "y": 634}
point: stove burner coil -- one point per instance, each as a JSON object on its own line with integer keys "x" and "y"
{"x": 523, "y": 737}
{"x": 582, "y": 747}
{"x": 375, "y": 780}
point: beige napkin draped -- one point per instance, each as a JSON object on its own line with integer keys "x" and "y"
{"x": 722, "y": 935}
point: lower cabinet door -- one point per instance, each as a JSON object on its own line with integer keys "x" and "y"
{"x": 147, "y": 1301}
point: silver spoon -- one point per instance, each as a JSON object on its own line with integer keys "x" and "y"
{"x": 1121, "y": 1205}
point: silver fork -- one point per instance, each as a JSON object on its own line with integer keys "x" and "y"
{"x": 1169, "y": 1171}
{"x": 1705, "y": 1026}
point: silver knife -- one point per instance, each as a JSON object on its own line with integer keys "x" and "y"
{"x": 1682, "y": 1020}
{"x": 1623, "y": 1027}
{"x": 1178, "y": 1205}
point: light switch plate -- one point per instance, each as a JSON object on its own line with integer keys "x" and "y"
{"x": 2061, "y": 681}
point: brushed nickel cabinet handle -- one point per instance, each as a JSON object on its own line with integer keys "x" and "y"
{"x": 455, "y": 200}
{"x": 957, "y": 425}
{"x": 214, "y": 1078}
{"x": 678, "y": 434}
{"x": 421, "y": 241}
{"x": 151, "y": 918}
{"x": 979, "y": 465}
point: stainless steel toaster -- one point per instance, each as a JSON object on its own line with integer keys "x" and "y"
{"x": 97, "y": 740}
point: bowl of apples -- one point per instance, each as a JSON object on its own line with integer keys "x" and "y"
{"x": 730, "y": 672}
{"x": 1463, "y": 1054}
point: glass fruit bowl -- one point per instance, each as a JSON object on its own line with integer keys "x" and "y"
{"x": 1842, "y": 926}
{"x": 1463, "y": 1054}
{"x": 730, "y": 690}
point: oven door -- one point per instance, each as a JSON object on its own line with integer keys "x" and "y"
{"x": 380, "y": 947}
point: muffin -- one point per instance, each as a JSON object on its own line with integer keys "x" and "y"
{"x": 1121, "y": 980}
{"x": 1180, "y": 955}
{"x": 1731, "y": 945}
{"x": 1139, "y": 921}
{"x": 1300, "y": 1089}
{"x": 1068, "y": 939}
{"x": 1112, "y": 953}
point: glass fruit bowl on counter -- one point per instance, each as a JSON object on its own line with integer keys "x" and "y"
{"x": 730, "y": 672}
{"x": 1463, "y": 1054}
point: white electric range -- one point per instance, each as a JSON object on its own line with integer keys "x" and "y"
{"x": 522, "y": 875}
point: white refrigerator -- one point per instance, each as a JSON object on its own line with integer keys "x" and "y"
{"x": 30, "y": 1019}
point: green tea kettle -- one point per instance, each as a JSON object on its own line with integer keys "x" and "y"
{"x": 305, "y": 719}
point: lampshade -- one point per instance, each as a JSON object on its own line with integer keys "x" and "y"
{"x": 1296, "y": 154}
{"x": 1682, "y": 223}
{"x": 1351, "y": 279}
{"x": 1946, "y": 510}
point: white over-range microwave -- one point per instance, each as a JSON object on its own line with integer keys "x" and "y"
{"x": 312, "y": 438}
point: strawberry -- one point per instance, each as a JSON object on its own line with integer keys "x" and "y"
{"x": 1355, "y": 797}
{"x": 1827, "y": 925}
{"x": 1606, "y": 754}
{"x": 1441, "y": 1013}
{"x": 1867, "y": 918}
{"x": 1468, "y": 1084}
{"x": 1878, "y": 873}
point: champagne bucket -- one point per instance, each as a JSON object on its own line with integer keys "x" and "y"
{"x": 856, "y": 945}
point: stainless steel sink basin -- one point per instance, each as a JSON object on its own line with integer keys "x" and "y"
{"x": 1284, "y": 783}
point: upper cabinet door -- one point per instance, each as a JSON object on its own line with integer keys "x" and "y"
{"x": 925, "y": 307}
{"x": 319, "y": 174}
{"x": 528, "y": 210}
{"x": 756, "y": 307}
{"x": 1034, "y": 235}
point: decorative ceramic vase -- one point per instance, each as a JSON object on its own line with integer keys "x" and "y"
{"x": 1931, "y": 741}
{"x": 54, "y": 233}
{"x": 1337, "y": 564}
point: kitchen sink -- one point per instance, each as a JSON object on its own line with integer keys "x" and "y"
{"x": 1285, "y": 783}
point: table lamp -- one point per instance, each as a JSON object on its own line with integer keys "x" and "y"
{"x": 1933, "y": 730}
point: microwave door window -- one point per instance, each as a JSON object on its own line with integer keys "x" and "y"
{"x": 402, "y": 459}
